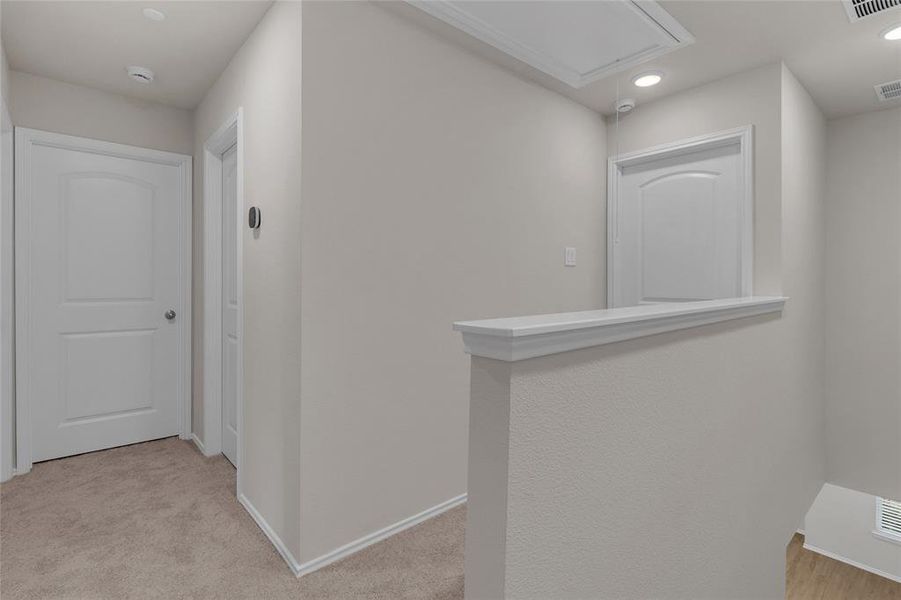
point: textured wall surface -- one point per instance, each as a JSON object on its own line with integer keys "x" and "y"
{"x": 654, "y": 468}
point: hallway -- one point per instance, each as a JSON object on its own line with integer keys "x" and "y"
{"x": 158, "y": 520}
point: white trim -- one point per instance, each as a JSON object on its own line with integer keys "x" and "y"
{"x": 879, "y": 531}
{"x": 887, "y": 537}
{"x": 376, "y": 536}
{"x": 519, "y": 338}
{"x": 853, "y": 563}
{"x": 25, "y": 139}
{"x": 615, "y": 165}
{"x": 301, "y": 569}
{"x": 849, "y": 10}
{"x": 231, "y": 132}
{"x": 7, "y": 303}
{"x": 269, "y": 532}
{"x": 651, "y": 12}
{"x": 199, "y": 445}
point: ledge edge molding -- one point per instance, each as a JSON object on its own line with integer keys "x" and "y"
{"x": 507, "y": 343}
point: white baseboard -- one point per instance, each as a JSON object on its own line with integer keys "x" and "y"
{"x": 377, "y": 536}
{"x": 853, "y": 563}
{"x": 200, "y": 445}
{"x": 270, "y": 533}
{"x": 346, "y": 550}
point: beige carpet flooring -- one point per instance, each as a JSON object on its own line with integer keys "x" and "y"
{"x": 159, "y": 520}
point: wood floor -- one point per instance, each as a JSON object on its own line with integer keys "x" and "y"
{"x": 812, "y": 576}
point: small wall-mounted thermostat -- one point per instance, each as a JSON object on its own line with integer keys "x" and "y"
{"x": 254, "y": 218}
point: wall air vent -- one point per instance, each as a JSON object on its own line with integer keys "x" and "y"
{"x": 888, "y": 520}
{"x": 891, "y": 90}
{"x": 861, "y": 9}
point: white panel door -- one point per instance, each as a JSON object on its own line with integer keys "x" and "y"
{"x": 678, "y": 234}
{"x": 230, "y": 305}
{"x": 102, "y": 260}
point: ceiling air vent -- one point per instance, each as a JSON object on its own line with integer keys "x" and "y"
{"x": 861, "y": 9}
{"x": 890, "y": 90}
{"x": 888, "y": 520}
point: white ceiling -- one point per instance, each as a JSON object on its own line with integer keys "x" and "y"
{"x": 90, "y": 43}
{"x": 838, "y": 62}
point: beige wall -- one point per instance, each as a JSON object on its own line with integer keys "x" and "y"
{"x": 678, "y": 465}
{"x": 802, "y": 430}
{"x": 862, "y": 328}
{"x": 4, "y": 75}
{"x": 803, "y": 271}
{"x": 436, "y": 187}
{"x": 264, "y": 79}
{"x": 50, "y": 105}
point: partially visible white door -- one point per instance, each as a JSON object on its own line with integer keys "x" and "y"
{"x": 678, "y": 233}
{"x": 230, "y": 304}
{"x": 7, "y": 349}
{"x": 101, "y": 253}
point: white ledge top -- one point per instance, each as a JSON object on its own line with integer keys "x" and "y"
{"x": 518, "y": 338}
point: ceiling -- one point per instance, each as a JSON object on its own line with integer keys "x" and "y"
{"x": 838, "y": 62}
{"x": 576, "y": 42}
{"x": 91, "y": 43}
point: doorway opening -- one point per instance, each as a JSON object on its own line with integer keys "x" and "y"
{"x": 223, "y": 342}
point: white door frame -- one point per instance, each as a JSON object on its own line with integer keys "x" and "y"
{"x": 7, "y": 317}
{"x": 615, "y": 165}
{"x": 231, "y": 132}
{"x": 25, "y": 141}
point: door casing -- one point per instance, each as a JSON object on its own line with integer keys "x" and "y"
{"x": 25, "y": 141}
{"x": 7, "y": 301}
{"x": 230, "y": 133}
{"x": 615, "y": 165}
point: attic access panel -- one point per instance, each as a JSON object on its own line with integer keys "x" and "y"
{"x": 577, "y": 42}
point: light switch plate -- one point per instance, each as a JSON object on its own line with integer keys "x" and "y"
{"x": 569, "y": 257}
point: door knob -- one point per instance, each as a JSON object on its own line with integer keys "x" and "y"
{"x": 170, "y": 314}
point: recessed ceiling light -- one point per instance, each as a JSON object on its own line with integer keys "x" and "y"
{"x": 140, "y": 74}
{"x": 647, "y": 79}
{"x": 893, "y": 33}
{"x": 154, "y": 14}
